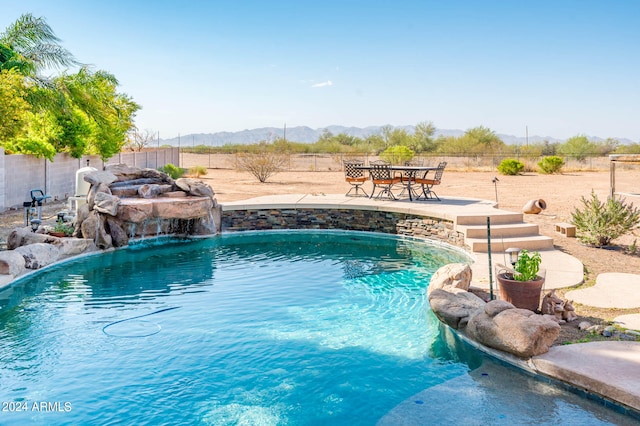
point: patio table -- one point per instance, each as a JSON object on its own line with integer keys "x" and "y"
{"x": 409, "y": 174}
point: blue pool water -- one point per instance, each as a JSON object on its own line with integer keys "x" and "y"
{"x": 249, "y": 329}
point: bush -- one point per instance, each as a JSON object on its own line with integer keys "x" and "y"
{"x": 551, "y": 164}
{"x": 173, "y": 171}
{"x": 197, "y": 171}
{"x": 510, "y": 166}
{"x": 598, "y": 223}
{"x": 397, "y": 154}
{"x": 261, "y": 164}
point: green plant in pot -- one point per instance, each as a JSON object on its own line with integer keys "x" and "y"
{"x": 62, "y": 229}
{"x": 522, "y": 286}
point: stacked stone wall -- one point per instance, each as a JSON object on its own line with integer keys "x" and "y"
{"x": 347, "y": 219}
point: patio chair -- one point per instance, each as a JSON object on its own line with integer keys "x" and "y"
{"x": 381, "y": 176}
{"x": 428, "y": 184}
{"x": 408, "y": 177}
{"x": 355, "y": 177}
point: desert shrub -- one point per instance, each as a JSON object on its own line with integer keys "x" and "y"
{"x": 550, "y": 164}
{"x": 197, "y": 171}
{"x": 397, "y": 154}
{"x": 510, "y": 166}
{"x": 261, "y": 164}
{"x": 174, "y": 172}
{"x": 598, "y": 223}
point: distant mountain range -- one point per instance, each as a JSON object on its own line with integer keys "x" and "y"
{"x": 306, "y": 134}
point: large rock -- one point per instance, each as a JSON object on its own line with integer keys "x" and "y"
{"x": 24, "y": 236}
{"x": 118, "y": 235}
{"x": 94, "y": 191}
{"x": 11, "y": 263}
{"x": 455, "y": 307}
{"x": 93, "y": 228}
{"x": 518, "y": 331}
{"x": 124, "y": 172}
{"x": 134, "y": 211}
{"x": 153, "y": 190}
{"x": 38, "y": 255}
{"x": 453, "y": 275}
{"x": 182, "y": 208}
{"x": 74, "y": 246}
{"x": 81, "y": 215}
{"x": 106, "y": 203}
{"x": 100, "y": 177}
{"x": 195, "y": 187}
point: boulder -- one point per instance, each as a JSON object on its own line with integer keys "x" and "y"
{"x": 106, "y": 203}
{"x": 517, "y": 331}
{"x": 124, "y": 172}
{"x": 195, "y": 187}
{"x": 153, "y": 191}
{"x": 100, "y": 177}
{"x": 11, "y": 263}
{"x": 455, "y": 307}
{"x": 90, "y": 226}
{"x": 93, "y": 229}
{"x": 118, "y": 235}
{"x": 38, "y": 255}
{"x": 135, "y": 212}
{"x": 453, "y": 275}
{"x": 182, "y": 208}
{"x": 24, "y": 236}
{"x": 93, "y": 191}
{"x": 81, "y": 215}
{"x": 74, "y": 246}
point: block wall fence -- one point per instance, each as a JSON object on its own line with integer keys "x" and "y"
{"x": 19, "y": 174}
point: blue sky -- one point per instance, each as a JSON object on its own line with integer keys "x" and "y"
{"x": 559, "y": 68}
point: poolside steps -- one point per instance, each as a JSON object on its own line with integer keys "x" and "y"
{"x": 507, "y": 230}
{"x": 533, "y": 242}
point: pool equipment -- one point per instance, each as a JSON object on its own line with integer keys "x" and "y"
{"x": 33, "y": 208}
{"x": 82, "y": 188}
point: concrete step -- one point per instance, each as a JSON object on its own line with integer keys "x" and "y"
{"x": 498, "y": 244}
{"x": 504, "y": 231}
{"x": 497, "y": 218}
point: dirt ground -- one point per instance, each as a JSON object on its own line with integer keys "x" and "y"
{"x": 562, "y": 194}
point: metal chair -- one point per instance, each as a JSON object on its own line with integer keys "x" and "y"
{"x": 356, "y": 177}
{"x": 428, "y": 184}
{"x": 380, "y": 172}
{"x": 408, "y": 177}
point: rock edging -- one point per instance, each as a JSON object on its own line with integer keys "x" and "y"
{"x": 496, "y": 324}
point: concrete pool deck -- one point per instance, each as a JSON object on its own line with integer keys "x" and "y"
{"x": 607, "y": 369}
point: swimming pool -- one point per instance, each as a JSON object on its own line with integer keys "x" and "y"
{"x": 251, "y": 328}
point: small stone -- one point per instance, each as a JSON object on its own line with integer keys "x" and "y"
{"x": 584, "y": 325}
{"x": 633, "y": 333}
{"x": 595, "y": 329}
{"x": 627, "y": 336}
{"x": 608, "y": 331}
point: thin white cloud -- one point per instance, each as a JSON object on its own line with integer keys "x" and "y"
{"x": 323, "y": 84}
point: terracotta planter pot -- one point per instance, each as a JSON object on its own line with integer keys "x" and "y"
{"x": 521, "y": 294}
{"x": 57, "y": 234}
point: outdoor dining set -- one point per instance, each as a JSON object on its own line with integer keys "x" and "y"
{"x": 415, "y": 180}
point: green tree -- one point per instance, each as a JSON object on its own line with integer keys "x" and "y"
{"x": 579, "y": 147}
{"x": 30, "y": 46}
{"x": 397, "y": 154}
{"x": 14, "y": 106}
{"x": 484, "y": 139}
{"x": 423, "y": 137}
{"x": 392, "y": 137}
